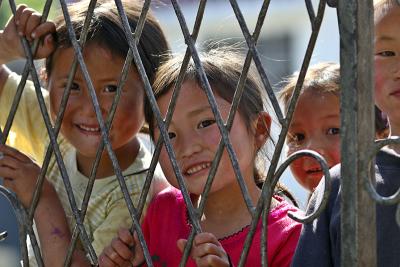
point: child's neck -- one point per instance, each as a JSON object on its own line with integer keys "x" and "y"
{"x": 226, "y": 213}
{"x": 126, "y": 155}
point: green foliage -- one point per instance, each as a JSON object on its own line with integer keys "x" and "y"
{"x": 5, "y": 10}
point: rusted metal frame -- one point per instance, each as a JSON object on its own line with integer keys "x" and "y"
{"x": 92, "y": 176}
{"x": 171, "y": 107}
{"x": 310, "y": 11}
{"x": 100, "y": 149}
{"x": 3, "y": 235}
{"x": 267, "y": 189}
{"x": 153, "y": 164}
{"x": 23, "y": 227}
{"x": 57, "y": 151}
{"x": 213, "y": 105}
{"x": 53, "y": 140}
{"x": 129, "y": 58}
{"x": 256, "y": 59}
{"x": 46, "y": 118}
{"x": 332, "y": 3}
{"x": 235, "y": 103}
{"x": 369, "y": 186}
{"x": 39, "y": 183}
{"x": 56, "y": 129}
{"x": 357, "y": 209}
{"x": 327, "y": 182}
{"x": 24, "y": 75}
{"x": 140, "y": 68}
{"x": 165, "y": 137}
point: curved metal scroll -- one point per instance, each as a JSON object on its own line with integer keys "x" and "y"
{"x": 327, "y": 182}
{"x": 24, "y": 228}
{"x": 369, "y": 186}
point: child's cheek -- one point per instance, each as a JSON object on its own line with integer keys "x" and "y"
{"x": 167, "y": 168}
{"x": 379, "y": 84}
{"x": 213, "y": 135}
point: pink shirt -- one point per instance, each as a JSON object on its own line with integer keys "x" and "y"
{"x": 166, "y": 221}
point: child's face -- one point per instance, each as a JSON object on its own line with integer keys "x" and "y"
{"x": 387, "y": 67}
{"x": 194, "y": 135}
{"x": 80, "y": 126}
{"x": 315, "y": 126}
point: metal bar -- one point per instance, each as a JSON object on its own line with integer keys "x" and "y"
{"x": 357, "y": 209}
{"x": 267, "y": 188}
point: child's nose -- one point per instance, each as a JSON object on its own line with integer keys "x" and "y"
{"x": 187, "y": 145}
{"x": 318, "y": 146}
{"x": 87, "y": 104}
{"x": 396, "y": 68}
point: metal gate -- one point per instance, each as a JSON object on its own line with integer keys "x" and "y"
{"x": 358, "y": 148}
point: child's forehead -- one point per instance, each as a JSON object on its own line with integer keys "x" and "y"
{"x": 385, "y": 9}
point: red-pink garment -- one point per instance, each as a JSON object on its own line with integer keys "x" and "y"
{"x": 166, "y": 221}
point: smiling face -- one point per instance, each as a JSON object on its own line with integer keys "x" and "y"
{"x": 80, "y": 126}
{"x": 387, "y": 66}
{"x": 194, "y": 136}
{"x": 315, "y": 126}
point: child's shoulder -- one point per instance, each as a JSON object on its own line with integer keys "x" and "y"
{"x": 169, "y": 202}
{"x": 169, "y": 195}
{"x": 281, "y": 209}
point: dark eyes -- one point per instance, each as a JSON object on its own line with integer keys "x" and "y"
{"x": 205, "y": 123}
{"x": 171, "y": 135}
{"x": 75, "y": 87}
{"x": 296, "y": 138}
{"x": 107, "y": 89}
{"x": 386, "y": 54}
{"x": 202, "y": 124}
{"x": 111, "y": 88}
{"x": 333, "y": 131}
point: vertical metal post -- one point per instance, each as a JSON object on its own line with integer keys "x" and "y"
{"x": 358, "y": 234}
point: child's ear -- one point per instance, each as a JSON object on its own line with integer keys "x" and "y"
{"x": 43, "y": 76}
{"x": 263, "y": 128}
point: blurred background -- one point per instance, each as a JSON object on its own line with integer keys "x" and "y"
{"x": 282, "y": 45}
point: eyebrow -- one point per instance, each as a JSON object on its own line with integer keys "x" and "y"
{"x": 385, "y": 38}
{"x": 192, "y": 113}
{"x": 330, "y": 116}
{"x": 199, "y": 110}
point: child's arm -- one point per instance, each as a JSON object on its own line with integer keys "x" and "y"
{"x": 20, "y": 174}
{"x": 124, "y": 250}
{"x": 25, "y": 23}
{"x": 206, "y": 251}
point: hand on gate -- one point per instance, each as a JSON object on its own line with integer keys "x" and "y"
{"x": 26, "y": 22}
{"x": 124, "y": 250}
{"x": 206, "y": 251}
{"x": 20, "y": 174}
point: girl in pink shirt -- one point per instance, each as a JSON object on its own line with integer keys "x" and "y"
{"x": 195, "y": 135}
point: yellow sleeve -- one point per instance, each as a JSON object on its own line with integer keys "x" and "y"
{"x": 28, "y": 132}
{"x": 118, "y": 217}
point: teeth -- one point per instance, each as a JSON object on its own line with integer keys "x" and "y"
{"x": 198, "y": 168}
{"x": 89, "y": 129}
